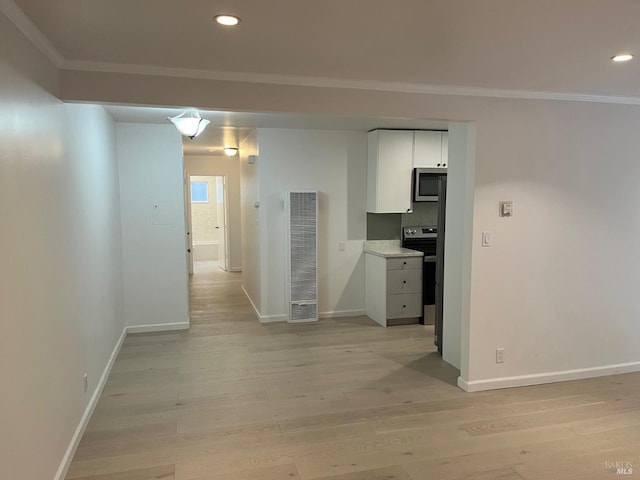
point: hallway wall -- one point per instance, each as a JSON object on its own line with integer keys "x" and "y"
{"x": 61, "y": 297}
{"x": 153, "y": 226}
{"x": 334, "y": 164}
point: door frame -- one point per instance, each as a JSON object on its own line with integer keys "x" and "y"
{"x": 189, "y": 235}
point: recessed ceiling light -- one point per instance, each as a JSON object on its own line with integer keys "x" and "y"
{"x": 622, "y": 57}
{"x": 227, "y": 20}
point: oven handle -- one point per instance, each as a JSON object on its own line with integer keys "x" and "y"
{"x": 429, "y": 258}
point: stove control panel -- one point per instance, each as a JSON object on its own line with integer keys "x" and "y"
{"x": 420, "y": 232}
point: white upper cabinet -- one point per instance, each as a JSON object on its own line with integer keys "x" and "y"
{"x": 392, "y": 156}
{"x": 428, "y": 149}
{"x": 390, "y": 164}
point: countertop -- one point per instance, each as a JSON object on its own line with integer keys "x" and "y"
{"x": 389, "y": 249}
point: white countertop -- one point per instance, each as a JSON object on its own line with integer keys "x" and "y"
{"x": 389, "y": 249}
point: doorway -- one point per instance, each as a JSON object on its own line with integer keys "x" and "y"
{"x": 208, "y": 221}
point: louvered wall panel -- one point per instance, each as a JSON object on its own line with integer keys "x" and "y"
{"x": 302, "y": 241}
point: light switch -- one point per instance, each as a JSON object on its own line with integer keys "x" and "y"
{"x": 486, "y": 239}
{"x": 341, "y": 246}
{"x": 506, "y": 209}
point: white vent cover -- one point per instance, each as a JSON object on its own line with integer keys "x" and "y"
{"x": 302, "y": 271}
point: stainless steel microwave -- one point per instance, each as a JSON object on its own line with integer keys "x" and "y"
{"x": 426, "y": 183}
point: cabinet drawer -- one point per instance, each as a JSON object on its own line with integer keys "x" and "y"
{"x": 404, "y": 306}
{"x": 404, "y": 281}
{"x": 404, "y": 263}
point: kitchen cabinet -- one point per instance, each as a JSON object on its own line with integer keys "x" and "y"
{"x": 393, "y": 291}
{"x": 430, "y": 149}
{"x": 389, "y": 166}
{"x": 392, "y": 156}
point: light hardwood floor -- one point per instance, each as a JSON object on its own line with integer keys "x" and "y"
{"x": 342, "y": 399}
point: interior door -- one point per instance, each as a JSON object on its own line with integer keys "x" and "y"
{"x": 221, "y": 227}
{"x": 189, "y": 236}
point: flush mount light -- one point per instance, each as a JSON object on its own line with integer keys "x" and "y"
{"x": 189, "y": 123}
{"x": 230, "y": 151}
{"x": 622, "y": 57}
{"x": 227, "y": 20}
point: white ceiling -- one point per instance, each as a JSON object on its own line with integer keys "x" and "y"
{"x": 550, "y": 45}
{"x": 228, "y": 129}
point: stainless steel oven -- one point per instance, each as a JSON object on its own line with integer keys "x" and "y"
{"x": 424, "y": 239}
{"x": 426, "y": 183}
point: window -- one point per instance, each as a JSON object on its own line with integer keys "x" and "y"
{"x": 199, "y": 192}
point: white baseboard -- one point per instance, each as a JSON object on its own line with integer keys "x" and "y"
{"x": 551, "y": 377}
{"x": 86, "y": 416}
{"x": 273, "y": 318}
{"x": 253, "y": 305}
{"x": 235, "y": 269}
{"x": 342, "y": 313}
{"x": 159, "y": 327}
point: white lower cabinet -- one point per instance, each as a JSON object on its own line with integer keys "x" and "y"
{"x": 393, "y": 289}
{"x": 403, "y": 305}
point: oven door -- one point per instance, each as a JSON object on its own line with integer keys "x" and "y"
{"x": 425, "y": 184}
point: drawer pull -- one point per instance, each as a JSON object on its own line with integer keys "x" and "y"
{"x": 404, "y": 281}
{"x": 404, "y": 306}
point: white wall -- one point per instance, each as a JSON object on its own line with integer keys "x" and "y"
{"x": 557, "y": 290}
{"x": 60, "y": 260}
{"x": 153, "y": 225}
{"x": 334, "y": 164}
{"x": 458, "y": 245}
{"x": 230, "y": 167}
{"x": 250, "y": 220}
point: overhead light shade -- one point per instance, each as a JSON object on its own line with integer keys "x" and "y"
{"x": 230, "y": 151}
{"x": 189, "y": 123}
{"x": 227, "y": 20}
{"x": 622, "y": 57}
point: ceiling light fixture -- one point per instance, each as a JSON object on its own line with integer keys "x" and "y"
{"x": 227, "y": 20}
{"x": 189, "y": 123}
{"x": 230, "y": 151}
{"x": 622, "y": 57}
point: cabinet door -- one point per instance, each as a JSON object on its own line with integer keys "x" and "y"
{"x": 389, "y": 171}
{"x": 404, "y": 263}
{"x": 427, "y": 149}
{"x": 445, "y": 149}
{"x": 404, "y": 281}
{"x": 404, "y": 306}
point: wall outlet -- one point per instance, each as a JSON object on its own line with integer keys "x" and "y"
{"x": 499, "y": 355}
{"x": 85, "y": 381}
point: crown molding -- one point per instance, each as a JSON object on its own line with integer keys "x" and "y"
{"x": 29, "y": 29}
{"x": 326, "y": 82}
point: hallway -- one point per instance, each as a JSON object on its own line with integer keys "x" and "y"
{"x": 342, "y": 399}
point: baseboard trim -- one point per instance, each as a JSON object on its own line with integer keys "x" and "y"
{"x": 342, "y": 313}
{"x": 551, "y": 377}
{"x": 88, "y": 412}
{"x": 159, "y": 327}
{"x": 235, "y": 269}
{"x": 253, "y": 305}
{"x": 273, "y": 319}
